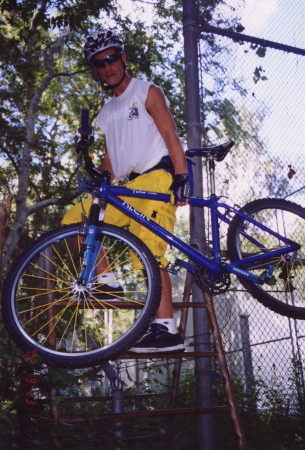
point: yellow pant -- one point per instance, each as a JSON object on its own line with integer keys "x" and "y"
{"x": 162, "y": 213}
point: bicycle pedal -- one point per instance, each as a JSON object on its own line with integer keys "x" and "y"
{"x": 173, "y": 268}
{"x": 178, "y": 265}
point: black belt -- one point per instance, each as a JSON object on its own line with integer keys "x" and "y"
{"x": 165, "y": 163}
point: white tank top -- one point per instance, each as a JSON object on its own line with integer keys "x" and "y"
{"x": 133, "y": 140}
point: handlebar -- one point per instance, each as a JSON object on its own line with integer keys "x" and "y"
{"x": 85, "y": 129}
{"x": 84, "y": 143}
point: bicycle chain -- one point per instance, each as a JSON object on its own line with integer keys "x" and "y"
{"x": 218, "y": 286}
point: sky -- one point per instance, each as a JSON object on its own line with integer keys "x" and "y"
{"x": 278, "y": 21}
{"x": 256, "y": 13}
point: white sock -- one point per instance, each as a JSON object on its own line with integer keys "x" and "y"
{"x": 109, "y": 279}
{"x": 170, "y": 324}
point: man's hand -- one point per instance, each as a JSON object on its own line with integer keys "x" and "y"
{"x": 180, "y": 189}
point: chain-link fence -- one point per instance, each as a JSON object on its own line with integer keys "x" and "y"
{"x": 260, "y": 90}
{"x": 254, "y": 94}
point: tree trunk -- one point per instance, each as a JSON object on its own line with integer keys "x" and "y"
{"x": 22, "y": 210}
{"x": 5, "y": 211}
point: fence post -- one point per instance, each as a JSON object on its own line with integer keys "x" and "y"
{"x": 247, "y": 358}
{"x": 117, "y": 395}
{"x": 206, "y": 439}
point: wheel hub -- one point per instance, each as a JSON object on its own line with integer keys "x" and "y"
{"x": 80, "y": 291}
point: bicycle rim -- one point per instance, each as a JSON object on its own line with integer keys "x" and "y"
{"x": 284, "y": 293}
{"x": 70, "y": 327}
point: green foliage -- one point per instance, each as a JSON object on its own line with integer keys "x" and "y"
{"x": 261, "y": 52}
{"x": 54, "y": 13}
{"x": 267, "y": 411}
{"x": 45, "y": 83}
{"x": 30, "y": 393}
{"x": 258, "y": 75}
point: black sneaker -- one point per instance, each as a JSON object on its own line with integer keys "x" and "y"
{"x": 106, "y": 292}
{"x": 158, "y": 339}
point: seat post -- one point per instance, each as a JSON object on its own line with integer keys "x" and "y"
{"x": 211, "y": 169}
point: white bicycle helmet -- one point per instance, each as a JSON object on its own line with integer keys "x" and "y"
{"x": 100, "y": 40}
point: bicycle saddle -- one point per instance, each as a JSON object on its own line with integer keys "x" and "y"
{"x": 218, "y": 153}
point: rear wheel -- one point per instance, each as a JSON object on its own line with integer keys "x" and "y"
{"x": 285, "y": 292}
{"x": 45, "y": 309}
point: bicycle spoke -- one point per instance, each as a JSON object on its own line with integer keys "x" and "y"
{"x": 74, "y": 323}
{"x": 284, "y": 288}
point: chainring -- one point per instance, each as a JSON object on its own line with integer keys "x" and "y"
{"x": 220, "y": 285}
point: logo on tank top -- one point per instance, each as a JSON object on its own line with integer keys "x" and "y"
{"x": 133, "y": 112}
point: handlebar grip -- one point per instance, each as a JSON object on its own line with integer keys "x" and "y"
{"x": 85, "y": 129}
{"x": 83, "y": 145}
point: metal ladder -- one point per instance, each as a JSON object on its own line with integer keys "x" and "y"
{"x": 118, "y": 413}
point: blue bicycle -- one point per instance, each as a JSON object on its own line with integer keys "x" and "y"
{"x": 53, "y": 304}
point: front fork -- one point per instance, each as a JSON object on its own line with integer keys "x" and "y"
{"x": 91, "y": 245}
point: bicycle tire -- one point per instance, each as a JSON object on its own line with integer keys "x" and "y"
{"x": 285, "y": 292}
{"x": 43, "y": 313}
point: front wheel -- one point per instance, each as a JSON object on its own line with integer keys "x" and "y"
{"x": 46, "y": 310}
{"x": 284, "y": 293}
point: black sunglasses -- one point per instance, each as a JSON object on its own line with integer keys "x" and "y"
{"x": 110, "y": 60}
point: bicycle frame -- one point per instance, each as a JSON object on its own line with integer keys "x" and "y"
{"x": 214, "y": 265}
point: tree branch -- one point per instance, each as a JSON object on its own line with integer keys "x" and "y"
{"x": 10, "y": 157}
{"x": 68, "y": 74}
{"x": 50, "y": 66}
{"x": 52, "y": 201}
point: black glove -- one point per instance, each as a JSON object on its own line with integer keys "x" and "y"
{"x": 180, "y": 188}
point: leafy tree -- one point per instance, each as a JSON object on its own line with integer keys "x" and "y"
{"x": 34, "y": 37}
{"x": 44, "y": 85}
